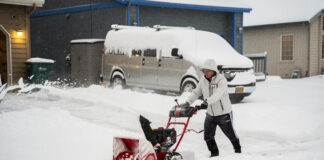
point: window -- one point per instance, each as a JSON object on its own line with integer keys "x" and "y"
{"x": 150, "y": 53}
{"x": 136, "y": 53}
{"x": 287, "y": 47}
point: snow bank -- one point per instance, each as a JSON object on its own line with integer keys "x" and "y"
{"x": 282, "y": 119}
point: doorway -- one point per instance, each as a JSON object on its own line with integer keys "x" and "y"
{"x": 3, "y": 58}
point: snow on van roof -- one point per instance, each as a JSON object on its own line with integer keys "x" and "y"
{"x": 40, "y": 60}
{"x": 194, "y": 45}
{"x": 267, "y": 12}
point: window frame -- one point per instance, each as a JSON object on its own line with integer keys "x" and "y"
{"x": 282, "y": 35}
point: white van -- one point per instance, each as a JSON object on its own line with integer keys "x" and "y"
{"x": 169, "y": 58}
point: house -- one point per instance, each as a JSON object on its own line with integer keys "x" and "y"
{"x": 15, "y": 37}
{"x": 291, "y": 32}
{"x": 58, "y": 22}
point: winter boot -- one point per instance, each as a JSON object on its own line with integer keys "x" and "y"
{"x": 237, "y": 146}
{"x": 212, "y": 147}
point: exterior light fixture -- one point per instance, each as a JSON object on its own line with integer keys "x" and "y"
{"x": 19, "y": 33}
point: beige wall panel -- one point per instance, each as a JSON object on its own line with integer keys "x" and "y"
{"x": 19, "y": 50}
{"x": 19, "y": 55}
{"x": 314, "y": 48}
{"x": 258, "y": 40}
{"x": 18, "y": 40}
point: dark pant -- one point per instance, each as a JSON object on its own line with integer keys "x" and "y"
{"x": 225, "y": 122}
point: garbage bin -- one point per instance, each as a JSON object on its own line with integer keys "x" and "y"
{"x": 39, "y": 69}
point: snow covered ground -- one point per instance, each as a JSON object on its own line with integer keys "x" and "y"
{"x": 281, "y": 120}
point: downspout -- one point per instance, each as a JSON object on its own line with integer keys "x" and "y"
{"x": 138, "y": 16}
{"x": 32, "y": 9}
{"x": 234, "y": 30}
{"x": 128, "y": 13}
{"x": 241, "y": 30}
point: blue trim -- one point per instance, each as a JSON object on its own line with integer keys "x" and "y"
{"x": 184, "y": 6}
{"x": 138, "y": 15}
{"x": 234, "y": 30}
{"x": 75, "y": 9}
{"x": 242, "y": 34}
{"x": 128, "y": 15}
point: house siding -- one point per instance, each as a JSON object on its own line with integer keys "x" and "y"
{"x": 20, "y": 46}
{"x": 268, "y": 38}
{"x": 315, "y": 46}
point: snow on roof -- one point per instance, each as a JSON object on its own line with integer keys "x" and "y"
{"x": 195, "y": 45}
{"x": 87, "y": 40}
{"x": 39, "y": 3}
{"x": 40, "y": 60}
{"x": 265, "y": 12}
{"x": 222, "y": 5}
{"x": 215, "y": 3}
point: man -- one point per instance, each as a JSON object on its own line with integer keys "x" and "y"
{"x": 213, "y": 87}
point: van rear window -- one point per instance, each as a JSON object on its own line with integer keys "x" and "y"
{"x": 150, "y": 53}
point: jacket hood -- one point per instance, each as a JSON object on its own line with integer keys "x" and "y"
{"x": 210, "y": 64}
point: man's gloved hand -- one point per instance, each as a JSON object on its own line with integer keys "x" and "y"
{"x": 204, "y": 105}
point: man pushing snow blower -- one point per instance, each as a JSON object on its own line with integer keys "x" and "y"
{"x": 213, "y": 88}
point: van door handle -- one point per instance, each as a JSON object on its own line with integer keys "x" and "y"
{"x": 159, "y": 63}
{"x": 143, "y": 61}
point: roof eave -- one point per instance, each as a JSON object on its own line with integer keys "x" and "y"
{"x": 185, "y": 6}
{"x": 23, "y": 3}
{"x": 274, "y": 24}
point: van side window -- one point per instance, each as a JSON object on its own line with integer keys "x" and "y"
{"x": 150, "y": 53}
{"x": 136, "y": 53}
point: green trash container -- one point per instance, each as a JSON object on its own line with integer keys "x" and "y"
{"x": 39, "y": 70}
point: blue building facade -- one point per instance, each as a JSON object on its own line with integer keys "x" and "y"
{"x": 59, "y": 21}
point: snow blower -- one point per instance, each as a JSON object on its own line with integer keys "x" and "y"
{"x": 159, "y": 141}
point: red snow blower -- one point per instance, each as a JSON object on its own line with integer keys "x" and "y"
{"x": 159, "y": 141}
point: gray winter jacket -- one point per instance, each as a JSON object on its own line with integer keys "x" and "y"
{"x": 216, "y": 94}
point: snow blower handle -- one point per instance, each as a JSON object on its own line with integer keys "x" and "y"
{"x": 176, "y": 100}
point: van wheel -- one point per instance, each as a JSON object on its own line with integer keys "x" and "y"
{"x": 188, "y": 86}
{"x": 118, "y": 81}
{"x": 236, "y": 99}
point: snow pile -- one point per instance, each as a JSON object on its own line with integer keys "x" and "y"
{"x": 282, "y": 119}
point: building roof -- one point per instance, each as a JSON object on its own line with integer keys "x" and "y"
{"x": 210, "y": 5}
{"x": 269, "y": 12}
{"x": 39, "y": 3}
